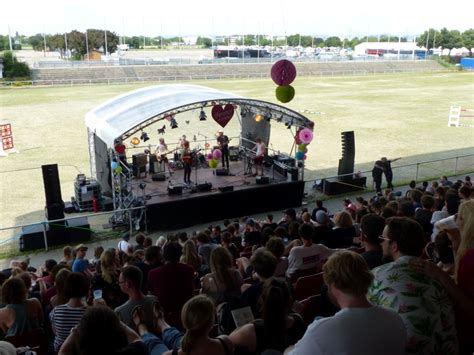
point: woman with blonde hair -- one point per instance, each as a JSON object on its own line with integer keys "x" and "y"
{"x": 190, "y": 256}
{"x": 461, "y": 288}
{"x": 344, "y": 233}
{"x": 197, "y": 317}
{"x": 224, "y": 281}
{"x": 107, "y": 279}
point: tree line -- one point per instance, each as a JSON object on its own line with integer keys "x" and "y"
{"x": 76, "y": 41}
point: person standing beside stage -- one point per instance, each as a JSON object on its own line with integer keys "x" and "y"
{"x": 261, "y": 150}
{"x": 223, "y": 141}
{"x": 187, "y": 158}
{"x": 377, "y": 172}
{"x": 161, "y": 152}
{"x": 387, "y": 165}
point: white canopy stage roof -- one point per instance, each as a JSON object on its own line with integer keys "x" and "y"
{"x": 124, "y": 115}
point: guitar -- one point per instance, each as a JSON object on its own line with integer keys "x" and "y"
{"x": 190, "y": 157}
{"x": 161, "y": 156}
{"x": 224, "y": 145}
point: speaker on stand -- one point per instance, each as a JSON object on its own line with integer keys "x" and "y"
{"x": 52, "y": 191}
{"x": 346, "y": 163}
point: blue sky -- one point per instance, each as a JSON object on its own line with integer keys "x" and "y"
{"x": 206, "y": 17}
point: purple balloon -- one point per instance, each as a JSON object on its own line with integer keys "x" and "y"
{"x": 209, "y": 156}
{"x": 216, "y": 154}
{"x": 283, "y": 72}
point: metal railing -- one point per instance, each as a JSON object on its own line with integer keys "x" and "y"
{"x": 419, "y": 171}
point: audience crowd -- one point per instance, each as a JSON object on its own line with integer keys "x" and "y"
{"x": 396, "y": 276}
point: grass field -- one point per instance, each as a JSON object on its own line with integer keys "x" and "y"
{"x": 392, "y": 115}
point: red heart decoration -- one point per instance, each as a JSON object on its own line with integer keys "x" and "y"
{"x": 222, "y": 115}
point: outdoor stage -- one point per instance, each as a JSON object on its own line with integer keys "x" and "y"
{"x": 195, "y": 205}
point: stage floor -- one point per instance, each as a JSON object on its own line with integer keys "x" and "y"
{"x": 158, "y": 190}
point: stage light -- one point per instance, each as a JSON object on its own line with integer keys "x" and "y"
{"x": 202, "y": 115}
{"x": 258, "y": 117}
{"x": 144, "y": 137}
{"x": 289, "y": 124}
{"x": 268, "y": 117}
{"x": 173, "y": 123}
{"x": 135, "y": 141}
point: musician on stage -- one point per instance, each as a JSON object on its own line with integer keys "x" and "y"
{"x": 187, "y": 158}
{"x": 161, "y": 153}
{"x": 223, "y": 141}
{"x": 261, "y": 151}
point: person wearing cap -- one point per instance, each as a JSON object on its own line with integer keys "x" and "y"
{"x": 80, "y": 263}
{"x": 223, "y": 141}
{"x": 289, "y": 215}
{"x": 322, "y": 229}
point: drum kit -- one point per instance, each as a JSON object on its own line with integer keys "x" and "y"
{"x": 196, "y": 158}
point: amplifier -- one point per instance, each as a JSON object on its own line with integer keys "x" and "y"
{"x": 158, "y": 177}
{"x": 175, "y": 189}
{"x": 222, "y": 172}
{"x": 262, "y": 180}
{"x": 207, "y": 186}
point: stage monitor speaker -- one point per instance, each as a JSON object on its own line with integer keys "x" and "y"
{"x": 222, "y": 172}
{"x": 262, "y": 180}
{"x": 158, "y": 177}
{"x": 52, "y": 190}
{"x": 207, "y": 186}
{"x": 229, "y": 188}
{"x": 175, "y": 189}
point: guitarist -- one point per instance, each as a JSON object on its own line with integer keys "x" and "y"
{"x": 187, "y": 158}
{"x": 223, "y": 141}
{"x": 161, "y": 152}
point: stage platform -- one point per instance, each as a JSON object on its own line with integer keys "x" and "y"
{"x": 194, "y": 206}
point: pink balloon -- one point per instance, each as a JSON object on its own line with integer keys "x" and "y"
{"x": 306, "y": 135}
{"x": 209, "y": 156}
{"x": 283, "y": 72}
{"x": 216, "y": 154}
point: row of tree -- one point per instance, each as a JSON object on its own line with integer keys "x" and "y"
{"x": 76, "y": 41}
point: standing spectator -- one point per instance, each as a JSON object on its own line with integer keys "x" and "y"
{"x": 172, "y": 283}
{"x": 130, "y": 282}
{"x": 377, "y": 172}
{"x": 387, "y": 170}
{"x": 124, "y": 245}
{"x": 348, "y": 279}
{"x": 418, "y": 299}
{"x": 66, "y": 316}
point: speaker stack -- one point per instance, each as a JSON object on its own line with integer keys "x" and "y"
{"x": 346, "y": 163}
{"x": 139, "y": 164}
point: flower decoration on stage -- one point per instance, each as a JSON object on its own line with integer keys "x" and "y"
{"x": 212, "y": 163}
{"x": 135, "y": 141}
{"x": 305, "y": 135}
{"x": 114, "y": 165}
{"x": 222, "y": 114}
{"x": 283, "y": 72}
{"x": 285, "y": 93}
{"x": 216, "y": 154}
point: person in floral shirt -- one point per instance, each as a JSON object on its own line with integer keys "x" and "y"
{"x": 422, "y": 302}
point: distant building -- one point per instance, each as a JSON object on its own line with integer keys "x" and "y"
{"x": 387, "y": 48}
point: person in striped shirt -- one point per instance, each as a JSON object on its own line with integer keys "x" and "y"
{"x": 67, "y": 316}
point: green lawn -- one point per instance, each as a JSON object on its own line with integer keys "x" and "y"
{"x": 392, "y": 115}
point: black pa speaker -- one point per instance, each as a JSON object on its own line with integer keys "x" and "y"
{"x": 175, "y": 189}
{"x": 262, "y": 180}
{"x": 207, "y": 186}
{"x": 52, "y": 190}
{"x": 346, "y": 163}
{"x": 228, "y": 188}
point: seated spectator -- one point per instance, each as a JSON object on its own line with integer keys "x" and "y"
{"x": 465, "y": 193}
{"x": 227, "y": 243}
{"x": 319, "y": 207}
{"x": 190, "y": 256}
{"x": 277, "y": 328}
{"x": 348, "y": 279}
{"x": 372, "y": 227}
{"x": 289, "y": 216}
{"x": 172, "y": 283}
{"x": 306, "y": 218}
{"x": 445, "y": 182}
{"x": 307, "y": 256}
{"x": 96, "y": 259}
{"x": 139, "y": 239}
{"x": 130, "y": 282}
{"x": 423, "y": 215}
{"x": 107, "y": 279}
{"x": 277, "y": 248}
{"x": 406, "y": 209}
{"x": 20, "y": 314}
{"x": 451, "y": 205}
{"x": 223, "y": 282}
{"x": 443, "y": 253}
{"x": 264, "y": 265}
{"x": 80, "y": 263}
{"x": 294, "y": 237}
{"x": 205, "y": 247}
{"x": 252, "y": 235}
{"x": 161, "y": 241}
{"x": 322, "y": 230}
{"x": 60, "y": 284}
{"x": 235, "y": 237}
{"x": 101, "y": 332}
{"x": 198, "y": 319}
{"x": 66, "y": 316}
{"x": 418, "y": 299}
{"x": 152, "y": 261}
{"x": 344, "y": 233}
{"x": 269, "y": 222}
{"x": 46, "y": 270}
{"x": 68, "y": 257}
